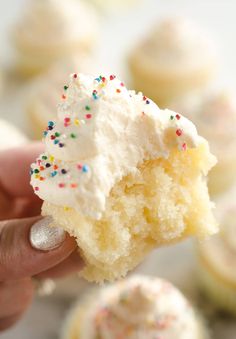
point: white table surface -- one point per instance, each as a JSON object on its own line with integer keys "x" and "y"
{"x": 120, "y": 31}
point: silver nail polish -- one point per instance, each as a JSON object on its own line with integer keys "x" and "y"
{"x": 44, "y": 236}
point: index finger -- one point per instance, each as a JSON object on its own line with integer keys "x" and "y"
{"x": 14, "y": 169}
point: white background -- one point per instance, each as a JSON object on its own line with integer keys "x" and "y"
{"x": 119, "y": 33}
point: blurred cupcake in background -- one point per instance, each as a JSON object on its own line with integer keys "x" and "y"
{"x": 176, "y": 59}
{"x": 47, "y": 89}
{"x": 138, "y": 307}
{"x": 2, "y": 79}
{"x": 217, "y": 263}
{"x": 10, "y": 135}
{"x": 113, "y": 4}
{"x": 215, "y": 118}
{"x": 50, "y": 30}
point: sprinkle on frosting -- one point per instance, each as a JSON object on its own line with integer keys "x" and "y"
{"x": 178, "y": 116}
{"x": 179, "y": 132}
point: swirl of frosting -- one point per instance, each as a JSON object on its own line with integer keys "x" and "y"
{"x": 140, "y": 307}
{"x": 177, "y": 40}
{"x": 102, "y": 133}
{"x": 56, "y": 23}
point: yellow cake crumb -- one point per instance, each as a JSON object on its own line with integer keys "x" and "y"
{"x": 164, "y": 201}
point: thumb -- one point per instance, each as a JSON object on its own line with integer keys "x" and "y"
{"x": 30, "y": 246}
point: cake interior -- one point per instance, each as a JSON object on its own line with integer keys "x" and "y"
{"x": 164, "y": 201}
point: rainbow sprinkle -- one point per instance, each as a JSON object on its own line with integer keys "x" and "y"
{"x": 179, "y": 132}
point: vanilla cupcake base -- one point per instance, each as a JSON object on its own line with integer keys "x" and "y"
{"x": 162, "y": 203}
{"x": 221, "y": 292}
{"x": 217, "y": 259}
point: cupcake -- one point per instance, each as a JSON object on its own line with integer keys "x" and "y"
{"x": 10, "y": 136}
{"x": 139, "y": 307}
{"x": 46, "y": 91}
{"x": 176, "y": 59}
{"x": 121, "y": 175}
{"x": 51, "y": 30}
{"x": 215, "y": 118}
{"x": 217, "y": 263}
{"x": 113, "y": 4}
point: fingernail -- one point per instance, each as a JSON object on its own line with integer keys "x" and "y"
{"x": 44, "y": 236}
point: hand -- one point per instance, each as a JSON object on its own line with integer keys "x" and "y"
{"x": 28, "y": 247}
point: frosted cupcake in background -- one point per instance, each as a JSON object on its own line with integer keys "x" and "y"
{"x": 50, "y": 30}
{"x": 215, "y": 118}
{"x": 139, "y": 307}
{"x": 217, "y": 262}
{"x": 46, "y": 90}
{"x": 175, "y": 60}
{"x": 2, "y": 79}
{"x": 10, "y": 136}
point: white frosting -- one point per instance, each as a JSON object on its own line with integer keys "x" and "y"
{"x": 100, "y": 137}
{"x": 48, "y": 23}
{"x": 138, "y": 308}
{"x": 10, "y": 136}
{"x": 177, "y": 41}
